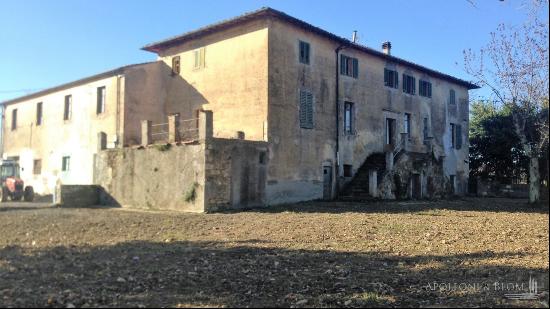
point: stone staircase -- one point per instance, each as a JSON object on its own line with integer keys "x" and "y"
{"x": 358, "y": 188}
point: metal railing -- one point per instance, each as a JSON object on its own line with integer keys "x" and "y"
{"x": 187, "y": 130}
{"x": 159, "y": 132}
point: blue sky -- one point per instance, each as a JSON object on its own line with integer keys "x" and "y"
{"x": 47, "y": 43}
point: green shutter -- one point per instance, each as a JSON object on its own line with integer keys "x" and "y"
{"x": 309, "y": 100}
{"x": 303, "y": 109}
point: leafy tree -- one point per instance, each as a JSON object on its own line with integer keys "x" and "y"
{"x": 517, "y": 75}
{"x": 495, "y": 149}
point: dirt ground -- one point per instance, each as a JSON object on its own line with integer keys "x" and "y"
{"x": 465, "y": 253}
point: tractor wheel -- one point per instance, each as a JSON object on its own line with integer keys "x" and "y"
{"x": 3, "y": 194}
{"x": 29, "y": 194}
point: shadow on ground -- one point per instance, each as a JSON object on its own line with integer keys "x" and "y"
{"x": 213, "y": 274}
{"x": 462, "y": 204}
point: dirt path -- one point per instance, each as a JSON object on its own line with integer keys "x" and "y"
{"x": 465, "y": 253}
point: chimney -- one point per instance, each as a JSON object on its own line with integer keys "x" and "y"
{"x": 386, "y": 48}
{"x": 354, "y": 36}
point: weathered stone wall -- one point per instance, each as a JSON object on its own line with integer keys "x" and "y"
{"x": 235, "y": 174}
{"x": 156, "y": 177}
{"x": 213, "y": 175}
{"x": 79, "y": 195}
{"x": 493, "y": 188}
{"x": 298, "y": 155}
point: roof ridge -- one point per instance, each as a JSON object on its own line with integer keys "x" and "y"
{"x": 74, "y": 82}
{"x": 159, "y": 45}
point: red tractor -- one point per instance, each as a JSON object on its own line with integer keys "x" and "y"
{"x": 12, "y": 185}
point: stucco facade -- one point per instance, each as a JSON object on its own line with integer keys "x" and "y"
{"x": 40, "y": 148}
{"x": 248, "y": 72}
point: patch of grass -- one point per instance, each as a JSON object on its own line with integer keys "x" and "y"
{"x": 191, "y": 194}
{"x": 163, "y": 147}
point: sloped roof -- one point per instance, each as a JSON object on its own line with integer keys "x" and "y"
{"x": 78, "y": 82}
{"x": 264, "y": 12}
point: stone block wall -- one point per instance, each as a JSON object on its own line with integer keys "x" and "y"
{"x": 78, "y": 196}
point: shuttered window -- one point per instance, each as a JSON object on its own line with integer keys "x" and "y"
{"x": 14, "y": 119}
{"x": 349, "y": 112}
{"x": 456, "y": 136}
{"x": 198, "y": 58}
{"x": 39, "y": 113}
{"x": 67, "y": 112}
{"x": 349, "y": 66}
{"x": 304, "y": 52}
{"x": 176, "y": 65}
{"x": 409, "y": 84}
{"x": 306, "y": 109}
{"x": 407, "y": 124}
{"x": 425, "y": 88}
{"x": 452, "y": 97}
{"x": 391, "y": 78}
{"x": 100, "y": 106}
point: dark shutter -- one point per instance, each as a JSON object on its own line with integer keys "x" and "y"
{"x": 386, "y": 80}
{"x": 458, "y": 136}
{"x": 404, "y": 83}
{"x": 303, "y": 109}
{"x": 309, "y": 105}
{"x": 355, "y": 67}
{"x": 342, "y": 64}
{"x": 413, "y": 86}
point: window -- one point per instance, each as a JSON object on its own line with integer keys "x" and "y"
{"x": 348, "y": 170}
{"x": 263, "y": 158}
{"x": 38, "y": 113}
{"x": 37, "y": 167}
{"x": 304, "y": 52}
{"x": 407, "y": 124}
{"x": 198, "y": 57}
{"x": 176, "y": 65}
{"x": 456, "y": 136}
{"x": 390, "y": 130}
{"x": 306, "y": 109}
{"x": 101, "y": 93}
{"x": 349, "y": 115}
{"x": 391, "y": 78}
{"x": 425, "y": 88}
{"x": 14, "y": 119}
{"x": 68, "y": 108}
{"x": 349, "y": 66}
{"x": 409, "y": 84}
{"x": 452, "y": 97}
{"x": 66, "y": 164}
{"x": 426, "y": 129}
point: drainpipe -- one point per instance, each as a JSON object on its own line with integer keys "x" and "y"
{"x": 337, "y": 150}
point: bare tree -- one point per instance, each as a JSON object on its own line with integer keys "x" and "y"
{"x": 514, "y": 65}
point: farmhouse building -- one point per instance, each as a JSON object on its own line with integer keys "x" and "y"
{"x": 329, "y": 117}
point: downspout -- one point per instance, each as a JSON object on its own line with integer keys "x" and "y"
{"x": 337, "y": 103}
